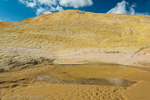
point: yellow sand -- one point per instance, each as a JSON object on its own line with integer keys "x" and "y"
{"x": 34, "y": 89}
{"x": 141, "y": 90}
{"x": 71, "y": 30}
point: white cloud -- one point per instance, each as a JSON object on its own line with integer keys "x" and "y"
{"x": 29, "y": 3}
{"x": 48, "y": 10}
{"x": 47, "y": 2}
{"x": 22, "y": 1}
{"x": 75, "y": 3}
{"x": 58, "y": 8}
{"x": 120, "y": 8}
{"x": 49, "y": 6}
{"x": 42, "y": 6}
{"x": 40, "y": 10}
{"x": 132, "y": 11}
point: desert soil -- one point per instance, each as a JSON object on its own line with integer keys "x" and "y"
{"x": 23, "y": 84}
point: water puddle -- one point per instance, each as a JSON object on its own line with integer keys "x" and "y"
{"x": 118, "y": 82}
{"x": 94, "y": 74}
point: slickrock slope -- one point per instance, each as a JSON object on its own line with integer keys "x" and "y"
{"x": 35, "y": 47}
{"x": 87, "y": 36}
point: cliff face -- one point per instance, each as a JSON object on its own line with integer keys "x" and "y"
{"x": 69, "y": 34}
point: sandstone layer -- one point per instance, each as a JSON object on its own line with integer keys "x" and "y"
{"x": 122, "y": 39}
{"x": 35, "y": 46}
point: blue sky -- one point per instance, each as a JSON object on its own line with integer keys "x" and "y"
{"x": 17, "y": 10}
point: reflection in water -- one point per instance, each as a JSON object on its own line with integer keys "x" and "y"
{"x": 120, "y": 82}
{"x": 92, "y": 81}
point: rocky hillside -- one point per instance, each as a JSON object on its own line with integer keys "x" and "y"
{"x": 74, "y": 36}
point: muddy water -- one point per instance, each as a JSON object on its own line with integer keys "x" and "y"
{"x": 118, "y": 82}
{"x": 103, "y": 74}
{"x": 90, "y": 74}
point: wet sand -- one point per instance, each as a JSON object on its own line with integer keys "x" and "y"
{"x": 24, "y": 85}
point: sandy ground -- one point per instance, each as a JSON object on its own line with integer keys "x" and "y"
{"x": 141, "y": 90}
{"x": 66, "y": 92}
{"x": 23, "y": 85}
{"x": 33, "y": 89}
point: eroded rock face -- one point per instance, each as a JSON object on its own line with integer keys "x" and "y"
{"x": 20, "y": 61}
{"x": 103, "y": 55}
